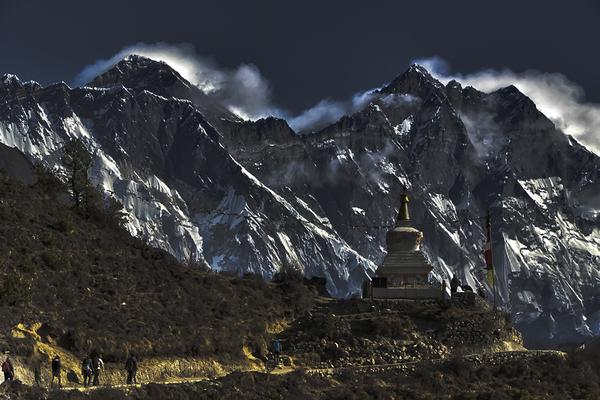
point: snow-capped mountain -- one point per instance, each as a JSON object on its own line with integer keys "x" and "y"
{"x": 182, "y": 190}
{"x": 247, "y": 196}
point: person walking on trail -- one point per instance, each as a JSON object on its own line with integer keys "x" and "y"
{"x": 454, "y": 284}
{"x": 276, "y": 351}
{"x": 445, "y": 294}
{"x": 87, "y": 371}
{"x": 37, "y": 374}
{"x": 8, "y": 369}
{"x": 97, "y": 367}
{"x": 131, "y": 366}
{"x": 37, "y": 361}
{"x": 56, "y": 368}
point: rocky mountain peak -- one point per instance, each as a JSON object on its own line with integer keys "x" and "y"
{"x": 463, "y": 98}
{"x": 265, "y": 130}
{"x": 510, "y": 100}
{"x": 140, "y": 73}
{"x": 12, "y": 85}
{"x": 454, "y": 91}
{"x": 10, "y": 79}
{"x": 9, "y": 84}
{"x": 273, "y": 123}
{"x": 136, "y": 71}
{"x": 511, "y": 94}
{"x": 418, "y": 69}
{"x": 416, "y": 81}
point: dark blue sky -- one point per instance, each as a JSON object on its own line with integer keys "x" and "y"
{"x": 310, "y": 50}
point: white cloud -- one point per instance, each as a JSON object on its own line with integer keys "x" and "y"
{"x": 560, "y": 99}
{"x": 243, "y": 90}
{"x": 328, "y": 111}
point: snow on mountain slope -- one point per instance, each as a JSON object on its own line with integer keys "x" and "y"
{"x": 182, "y": 191}
{"x": 463, "y": 154}
{"x": 253, "y": 196}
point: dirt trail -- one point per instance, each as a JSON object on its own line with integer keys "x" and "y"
{"x": 404, "y": 366}
{"x": 131, "y": 386}
{"x": 476, "y": 358}
{"x": 179, "y": 371}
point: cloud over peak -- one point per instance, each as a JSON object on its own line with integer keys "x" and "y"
{"x": 560, "y": 99}
{"x": 242, "y": 90}
{"x": 246, "y": 92}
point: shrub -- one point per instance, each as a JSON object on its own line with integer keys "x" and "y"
{"x": 53, "y": 259}
{"x": 64, "y": 225}
{"x": 288, "y": 273}
{"x": 16, "y": 289}
{"x": 48, "y": 181}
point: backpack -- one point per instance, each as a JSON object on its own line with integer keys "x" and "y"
{"x": 55, "y": 365}
{"x": 97, "y": 364}
{"x": 86, "y": 365}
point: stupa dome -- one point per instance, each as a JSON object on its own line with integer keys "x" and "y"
{"x": 404, "y": 254}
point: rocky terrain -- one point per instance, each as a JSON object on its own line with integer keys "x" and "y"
{"x": 73, "y": 283}
{"x": 242, "y": 196}
{"x": 501, "y": 376}
{"x": 362, "y": 333}
{"x": 361, "y": 350}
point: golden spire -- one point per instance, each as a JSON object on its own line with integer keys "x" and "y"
{"x": 403, "y": 215}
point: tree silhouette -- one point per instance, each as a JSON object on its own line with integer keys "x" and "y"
{"x": 77, "y": 160}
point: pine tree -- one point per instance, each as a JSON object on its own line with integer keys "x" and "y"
{"x": 77, "y": 160}
{"x": 87, "y": 198}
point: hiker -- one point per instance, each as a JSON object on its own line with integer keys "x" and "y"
{"x": 454, "y": 284}
{"x": 445, "y": 294}
{"x": 37, "y": 374}
{"x": 97, "y": 367}
{"x": 131, "y": 366}
{"x": 86, "y": 371}
{"x": 276, "y": 350}
{"x": 8, "y": 369}
{"x": 37, "y": 364}
{"x": 56, "y": 367}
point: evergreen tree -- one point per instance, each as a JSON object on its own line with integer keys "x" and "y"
{"x": 77, "y": 160}
{"x": 87, "y": 198}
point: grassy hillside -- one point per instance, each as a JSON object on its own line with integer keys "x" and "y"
{"x": 81, "y": 283}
